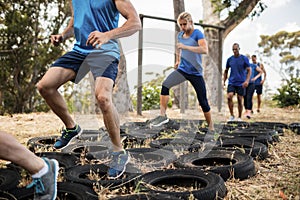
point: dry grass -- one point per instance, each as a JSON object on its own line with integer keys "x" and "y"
{"x": 278, "y": 177}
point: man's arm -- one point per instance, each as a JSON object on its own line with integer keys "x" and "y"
{"x": 259, "y": 73}
{"x": 246, "y": 83}
{"x": 262, "y": 67}
{"x": 67, "y": 33}
{"x": 132, "y": 25}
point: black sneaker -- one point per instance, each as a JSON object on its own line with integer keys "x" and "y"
{"x": 67, "y": 137}
{"x": 46, "y": 186}
{"x": 159, "y": 121}
{"x": 118, "y": 164}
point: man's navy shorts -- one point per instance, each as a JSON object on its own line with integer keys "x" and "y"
{"x": 100, "y": 65}
{"x": 236, "y": 89}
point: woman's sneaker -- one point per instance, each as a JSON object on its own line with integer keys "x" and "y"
{"x": 118, "y": 164}
{"x": 45, "y": 187}
{"x": 67, "y": 137}
{"x": 159, "y": 121}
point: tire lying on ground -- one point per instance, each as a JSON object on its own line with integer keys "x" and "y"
{"x": 146, "y": 196}
{"x": 87, "y": 148}
{"x": 174, "y": 144}
{"x": 65, "y": 160}
{"x": 65, "y": 191}
{"x": 151, "y": 157}
{"x": 227, "y": 164}
{"x": 9, "y": 178}
{"x": 248, "y": 146}
{"x": 97, "y": 175}
{"x": 44, "y": 143}
{"x": 184, "y": 184}
{"x": 6, "y": 196}
{"x": 262, "y": 135}
{"x": 295, "y": 127}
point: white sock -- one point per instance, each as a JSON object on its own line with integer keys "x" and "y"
{"x": 42, "y": 172}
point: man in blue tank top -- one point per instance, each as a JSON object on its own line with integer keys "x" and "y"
{"x": 238, "y": 81}
{"x": 259, "y": 82}
{"x": 94, "y": 24}
{"x": 248, "y": 98}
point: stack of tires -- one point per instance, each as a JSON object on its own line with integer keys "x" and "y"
{"x": 181, "y": 160}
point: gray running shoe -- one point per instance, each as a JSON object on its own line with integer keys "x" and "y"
{"x": 158, "y": 121}
{"x": 118, "y": 164}
{"x": 46, "y": 186}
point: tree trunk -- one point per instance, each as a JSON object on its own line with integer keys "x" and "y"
{"x": 121, "y": 93}
{"x": 180, "y": 91}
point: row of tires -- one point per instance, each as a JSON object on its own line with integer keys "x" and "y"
{"x": 205, "y": 161}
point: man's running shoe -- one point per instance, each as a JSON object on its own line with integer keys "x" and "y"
{"x": 67, "y": 137}
{"x": 45, "y": 187}
{"x": 118, "y": 164}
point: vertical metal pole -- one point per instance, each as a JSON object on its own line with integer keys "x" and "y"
{"x": 140, "y": 69}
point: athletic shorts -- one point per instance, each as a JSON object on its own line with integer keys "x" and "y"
{"x": 236, "y": 89}
{"x": 259, "y": 89}
{"x": 99, "y": 64}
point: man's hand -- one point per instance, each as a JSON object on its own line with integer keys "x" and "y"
{"x": 56, "y": 39}
{"x": 245, "y": 84}
{"x": 96, "y": 39}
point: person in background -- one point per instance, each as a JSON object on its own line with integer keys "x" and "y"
{"x": 96, "y": 49}
{"x": 190, "y": 47}
{"x": 259, "y": 82}
{"x": 44, "y": 171}
{"x": 238, "y": 80}
{"x": 248, "y": 98}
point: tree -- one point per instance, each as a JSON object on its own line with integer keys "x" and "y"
{"x": 237, "y": 11}
{"x": 25, "y": 51}
{"x": 284, "y": 47}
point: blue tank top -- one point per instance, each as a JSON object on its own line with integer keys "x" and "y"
{"x": 190, "y": 62}
{"x": 257, "y": 81}
{"x": 238, "y": 72}
{"x": 92, "y": 15}
{"x": 254, "y": 72}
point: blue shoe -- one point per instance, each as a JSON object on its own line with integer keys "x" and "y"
{"x": 46, "y": 186}
{"x": 118, "y": 164}
{"x": 67, "y": 137}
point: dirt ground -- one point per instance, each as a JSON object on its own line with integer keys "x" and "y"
{"x": 278, "y": 177}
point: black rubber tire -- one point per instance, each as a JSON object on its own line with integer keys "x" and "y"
{"x": 152, "y": 157}
{"x": 146, "y": 196}
{"x": 174, "y": 144}
{"x": 211, "y": 186}
{"x": 65, "y": 160}
{"x": 43, "y": 144}
{"x": 265, "y": 136}
{"x": 80, "y": 174}
{"x": 9, "y": 178}
{"x": 227, "y": 164}
{"x": 7, "y": 196}
{"x": 295, "y": 127}
{"x": 248, "y": 146}
{"x": 65, "y": 190}
{"x": 86, "y": 148}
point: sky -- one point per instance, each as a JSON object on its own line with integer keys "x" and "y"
{"x": 279, "y": 15}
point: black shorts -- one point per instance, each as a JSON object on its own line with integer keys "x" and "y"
{"x": 259, "y": 89}
{"x": 100, "y": 65}
{"x": 236, "y": 89}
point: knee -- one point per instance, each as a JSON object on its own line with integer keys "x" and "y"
{"x": 229, "y": 97}
{"x": 104, "y": 102}
{"x": 41, "y": 88}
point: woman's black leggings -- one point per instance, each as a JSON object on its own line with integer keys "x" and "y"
{"x": 178, "y": 76}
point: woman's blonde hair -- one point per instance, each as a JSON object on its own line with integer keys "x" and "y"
{"x": 185, "y": 16}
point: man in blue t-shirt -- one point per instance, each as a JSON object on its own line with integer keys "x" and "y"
{"x": 238, "y": 81}
{"x": 95, "y": 27}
